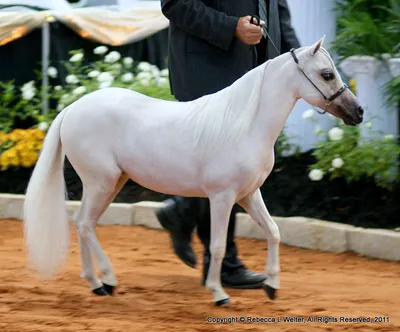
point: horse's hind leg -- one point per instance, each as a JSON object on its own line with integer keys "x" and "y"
{"x": 109, "y": 279}
{"x": 96, "y": 199}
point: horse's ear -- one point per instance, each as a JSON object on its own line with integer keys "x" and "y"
{"x": 317, "y": 45}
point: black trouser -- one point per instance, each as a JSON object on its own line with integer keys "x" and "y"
{"x": 198, "y": 210}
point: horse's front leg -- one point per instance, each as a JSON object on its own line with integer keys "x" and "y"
{"x": 220, "y": 209}
{"x": 255, "y": 207}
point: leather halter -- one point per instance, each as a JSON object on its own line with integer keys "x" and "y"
{"x": 327, "y": 100}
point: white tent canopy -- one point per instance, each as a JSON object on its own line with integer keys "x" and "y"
{"x": 64, "y": 5}
{"x": 57, "y": 5}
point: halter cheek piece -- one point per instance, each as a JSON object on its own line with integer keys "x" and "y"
{"x": 327, "y": 100}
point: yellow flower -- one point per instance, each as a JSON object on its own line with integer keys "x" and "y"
{"x": 10, "y": 153}
{"x": 17, "y": 135}
{"x": 25, "y": 151}
{"x": 13, "y": 137}
{"x": 39, "y": 146}
{"x": 30, "y": 157}
{"x": 30, "y": 145}
{"x": 4, "y": 162}
{"x": 352, "y": 83}
{"x": 28, "y": 162}
{"x": 3, "y": 138}
{"x": 38, "y": 134}
{"x": 14, "y": 161}
{"x": 21, "y": 146}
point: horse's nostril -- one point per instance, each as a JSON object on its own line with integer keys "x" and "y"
{"x": 360, "y": 111}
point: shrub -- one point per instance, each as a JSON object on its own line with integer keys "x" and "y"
{"x": 344, "y": 154}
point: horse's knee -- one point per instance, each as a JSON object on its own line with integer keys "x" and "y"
{"x": 217, "y": 252}
{"x": 83, "y": 229}
{"x": 275, "y": 236}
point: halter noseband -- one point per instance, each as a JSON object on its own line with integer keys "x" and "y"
{"x": 327, "y": 100}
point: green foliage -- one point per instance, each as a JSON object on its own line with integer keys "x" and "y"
{"x": 392, "y": 91}
{"x": 367, "y": 27}
{"x": 370, "y": 27}
{"x": 353, "y": 158}
{"x": 284, "y": 147}
{"x": 18, "y": 104}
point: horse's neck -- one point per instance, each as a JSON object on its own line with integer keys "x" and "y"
{"x": 277, "y": 100}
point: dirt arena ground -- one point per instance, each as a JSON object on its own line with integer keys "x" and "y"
{"x": 158, "y": 293}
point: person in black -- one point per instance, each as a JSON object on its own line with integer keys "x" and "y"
{"x": 211, "y": 44}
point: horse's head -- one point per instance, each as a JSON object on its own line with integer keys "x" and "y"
{"x": 320, "y": 84}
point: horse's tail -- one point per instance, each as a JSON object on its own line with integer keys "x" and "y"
{"x": 45, "y": 214}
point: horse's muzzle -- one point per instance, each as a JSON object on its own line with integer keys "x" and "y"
{"x": 355, "y": 116}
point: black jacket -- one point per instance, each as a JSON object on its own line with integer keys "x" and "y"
{"x": 204, "y": 56}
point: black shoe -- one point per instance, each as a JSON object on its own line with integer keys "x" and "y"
{"x": 241, "y": 278}
{"x": 180, "y": 232}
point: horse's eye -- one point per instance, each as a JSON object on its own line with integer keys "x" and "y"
{"x": 327, "y": 75}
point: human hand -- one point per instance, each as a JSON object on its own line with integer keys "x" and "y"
{"x": 247, "y": 32}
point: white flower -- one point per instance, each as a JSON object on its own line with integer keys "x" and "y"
{"x": 52, "y": 72}
{"x": 43, "y": 126}
{"x": 337, "y": 162}
{"x": 316, "y": 175}
{"x": 117, "y": 67}
{"x": 72, "y": 79}
{"x": 164, "y": 73}
{"x": 105, "y": 77}
{"x": 28, "y": 86}
{"x": 144, "y": 75}
{"x": 105, "y": 84}
{"x": 308, "y": 114}
{"x": 335, "y": 134}
{"x": 58, "y": 88}
{"x": 368, "y": 125}
{"x": 76, "y": 57}
{"x": 128, "y": 61}
{"x": 145, "y": 82}
{"x": 79, "y": 90}
{"x": 155, "y": 71}
{"x": 28, "y": 90}
{"x": 93, "y": 73}
{"x": 65, "y": 97}
{"x": 112, "y": 57}
{"x": 388, "y": 137}
{"x": 60, "y": 107}
{"x": 28, "y": 94}
{"x": 162, "y": 81}
{"x": 128, "y": 77}
{"x": 144, "y": 66}
{"x": 100, "y": 49}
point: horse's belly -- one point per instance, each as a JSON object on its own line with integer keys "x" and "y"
{"x": 172, "y": 175}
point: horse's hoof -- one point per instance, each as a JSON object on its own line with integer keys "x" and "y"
{"x": 101, "y": 291}
{"x": 109, "y": 289}
{"x": 271, "y": 292}
{"x": 222, "y": 302}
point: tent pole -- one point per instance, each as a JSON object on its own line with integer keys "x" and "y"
{"x": 45, "y": 65}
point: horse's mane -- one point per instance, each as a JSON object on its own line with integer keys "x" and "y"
{"x": 223, "y": 118}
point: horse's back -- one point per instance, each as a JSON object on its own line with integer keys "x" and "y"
{"x": 118, "y": 100}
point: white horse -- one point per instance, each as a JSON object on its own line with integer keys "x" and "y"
{"x": 219, "y": 146}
